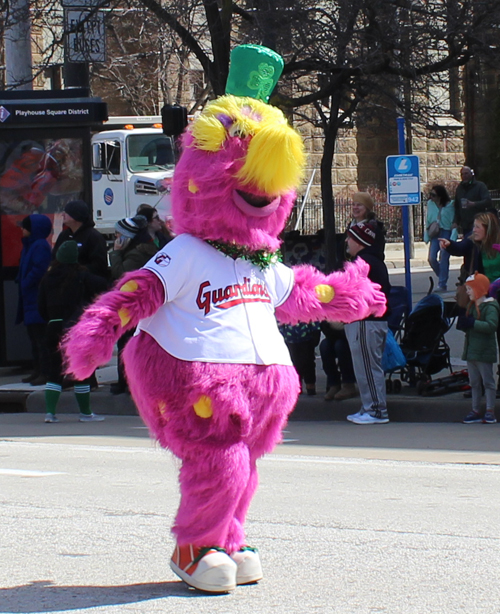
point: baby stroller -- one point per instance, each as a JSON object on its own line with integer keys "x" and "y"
{"x": 423, "y": 342}
{"x": 398, "y": 308}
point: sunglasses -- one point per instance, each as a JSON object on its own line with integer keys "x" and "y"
{"x": 433, "y": 194}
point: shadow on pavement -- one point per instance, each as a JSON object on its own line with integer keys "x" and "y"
{"x": 44, "y": 596}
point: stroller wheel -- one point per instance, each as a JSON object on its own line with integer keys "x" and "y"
{"x": 422, "y": 385}
{"x": 388, "y": 386}
{"x": 397, "y": 386}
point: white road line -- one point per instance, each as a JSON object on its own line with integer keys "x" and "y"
{"x": 29, "y": 473}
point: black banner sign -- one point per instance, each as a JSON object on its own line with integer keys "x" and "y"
{"x": 42, "y": 113}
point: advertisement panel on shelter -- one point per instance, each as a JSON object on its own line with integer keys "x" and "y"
{"x": 36, "y": 176}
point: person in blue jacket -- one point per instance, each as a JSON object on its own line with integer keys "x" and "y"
{"x": 35, "y": 260}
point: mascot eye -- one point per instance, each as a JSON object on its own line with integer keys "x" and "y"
{"x": 235, "y": 130}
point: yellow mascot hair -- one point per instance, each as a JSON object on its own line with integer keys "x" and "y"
{"x": 276, "y": 157}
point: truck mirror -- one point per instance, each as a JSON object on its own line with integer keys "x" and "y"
{"x": 97, "y": 157}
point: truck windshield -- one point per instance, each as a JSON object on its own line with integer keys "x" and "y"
{"x": 149, "y": 152}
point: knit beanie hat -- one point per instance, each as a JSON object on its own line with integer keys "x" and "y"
{"x": 147, "y": 211}
{"x": 68, "y": 252}
{"x": 363, "y": 198}
{"x": 480, "y": 284}
{"x": 362, "y": 233}
{"x": 78, "y": 210}
{"x": 130, "y": 226}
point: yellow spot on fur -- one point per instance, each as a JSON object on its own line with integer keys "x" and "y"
{"x": 192, "y": 187}
{"x": 324, "y": 293}
{"x": 203, "y": 407}
{"x": 162, "y": 408}
{"x": 124, "y": 316}
{"x": 130, "y": 286}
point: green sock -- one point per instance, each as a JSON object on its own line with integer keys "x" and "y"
{"x": 82, "y": 395}
{"x": 52, "y": 394}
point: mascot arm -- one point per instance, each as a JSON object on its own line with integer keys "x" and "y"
{"x": 89, "y": 344}
{"x": 342, "y": 296}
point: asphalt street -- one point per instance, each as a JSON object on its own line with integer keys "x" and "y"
{"x": 401, "y": 518}
{"x": 398, "y": 518}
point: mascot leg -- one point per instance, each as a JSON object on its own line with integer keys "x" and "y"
{"x": 212, "y": 483}
{"x": 267, "y": 432}
{"x": 218, "y": 419}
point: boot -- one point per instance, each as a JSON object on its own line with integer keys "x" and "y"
{"x": 348, "y": 391}
{"x": 311, "y": 389}
{"x": 332, "y": 391}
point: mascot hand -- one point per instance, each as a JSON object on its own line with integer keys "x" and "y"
{"x": 90, "y": 342}
{"x": 342, "y": 296}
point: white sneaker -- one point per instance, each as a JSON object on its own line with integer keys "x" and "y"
{"x": 207, "y": 569}
{"x": 367, "y": 418}
{"x": 249, "y": 567}
{"x": 351, "y": 417}
{"x": 51, "y": 418}
{"x": 91, "y": 418}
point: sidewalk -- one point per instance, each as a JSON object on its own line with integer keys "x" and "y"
{"x": 395, "y": 256}
{"x": 406, "y": 406}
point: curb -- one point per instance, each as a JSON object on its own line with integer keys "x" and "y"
{"x": 401, "y": 407}
{"x": 12, "y": 402}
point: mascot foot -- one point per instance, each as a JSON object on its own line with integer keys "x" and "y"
{"x": 249, "y": 567}
{"x": 207, "y": 569}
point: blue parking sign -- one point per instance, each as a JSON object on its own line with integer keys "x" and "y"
{"x": 403, "y": 180}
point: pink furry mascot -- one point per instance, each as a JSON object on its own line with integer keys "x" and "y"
{"x": 207, "y": 367}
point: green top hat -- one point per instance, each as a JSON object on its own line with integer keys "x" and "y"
{"x": 254, "y": 71}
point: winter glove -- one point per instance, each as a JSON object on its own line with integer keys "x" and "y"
{"x": 465, "y": 322}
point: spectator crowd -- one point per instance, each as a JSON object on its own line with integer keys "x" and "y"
{"x": 56, "y": 284}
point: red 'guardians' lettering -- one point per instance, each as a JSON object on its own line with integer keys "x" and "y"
{"x": 230, "y": 296}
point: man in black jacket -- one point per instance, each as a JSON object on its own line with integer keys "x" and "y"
{"x": 367, "y": 337}
{"x": 92, "y": 250}
{"x": 471, "y": 197}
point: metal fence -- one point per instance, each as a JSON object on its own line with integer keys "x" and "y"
{"x": 312, "y": 217}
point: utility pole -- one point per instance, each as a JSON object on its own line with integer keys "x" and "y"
{"x": 18, "y": 60}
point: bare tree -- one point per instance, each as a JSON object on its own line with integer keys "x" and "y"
{"x": 381, "y": 57}
{"x": 354, "y": 60}
{"x": 346, "y": 61}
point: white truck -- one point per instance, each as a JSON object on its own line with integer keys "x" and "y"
{"x": 132, "y": 164}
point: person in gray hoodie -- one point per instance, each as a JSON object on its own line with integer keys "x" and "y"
{"x": 367, "y": 337}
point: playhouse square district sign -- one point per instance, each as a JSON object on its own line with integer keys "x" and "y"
{"x": 18, "y": 113}
{"x": 403, "y": 179}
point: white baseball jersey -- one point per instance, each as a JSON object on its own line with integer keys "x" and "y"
{"x": 217, "y": 309}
